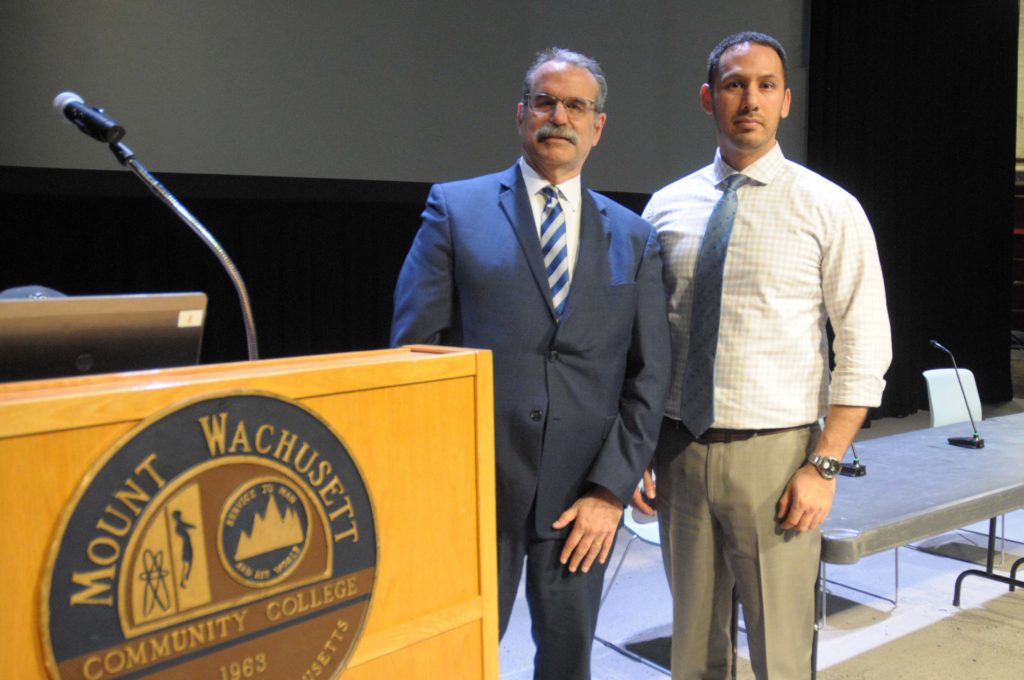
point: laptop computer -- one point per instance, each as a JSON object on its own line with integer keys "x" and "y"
{"x": 71, "y": 336}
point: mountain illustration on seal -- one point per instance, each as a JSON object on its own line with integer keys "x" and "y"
{"x": 270, "y": 531}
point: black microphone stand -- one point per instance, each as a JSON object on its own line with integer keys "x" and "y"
{"x": 975, "y": 441}
{"x": 126, "y": 157}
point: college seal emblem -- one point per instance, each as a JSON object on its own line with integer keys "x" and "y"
{"x": 230, "y": 537}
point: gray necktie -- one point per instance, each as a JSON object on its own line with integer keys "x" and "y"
{"x": 698, "y": 398}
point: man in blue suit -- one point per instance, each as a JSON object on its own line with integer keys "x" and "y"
{"x": 564, "y": 286}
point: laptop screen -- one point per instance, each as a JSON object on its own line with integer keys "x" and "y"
{"x": 70, "y": 336}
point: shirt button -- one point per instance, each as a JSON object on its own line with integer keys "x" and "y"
{"x": 536, "y": 414}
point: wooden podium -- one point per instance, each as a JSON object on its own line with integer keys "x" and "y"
{"x": 418, "y": 422}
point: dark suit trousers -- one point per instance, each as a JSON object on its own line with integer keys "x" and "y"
{"x": 563, "y": 606}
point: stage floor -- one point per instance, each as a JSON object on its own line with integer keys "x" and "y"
{"x": 637, "y": 613}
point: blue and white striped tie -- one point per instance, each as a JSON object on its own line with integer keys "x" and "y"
{"x": 553, "y": 247}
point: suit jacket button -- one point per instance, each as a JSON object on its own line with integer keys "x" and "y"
{"x": 536, "y": 414}
{"x": 553, "y": 355}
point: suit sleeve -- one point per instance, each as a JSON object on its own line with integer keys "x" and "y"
{"x": 631, "y": 441}
{"x": 425, "y": 290}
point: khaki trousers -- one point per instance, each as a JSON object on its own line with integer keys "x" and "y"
{"x": 716, "y": 508}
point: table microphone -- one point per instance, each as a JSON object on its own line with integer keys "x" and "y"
{"x": 974, "y": 442}
{"x": 854, "y": 469}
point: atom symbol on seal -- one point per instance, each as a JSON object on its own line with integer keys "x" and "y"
{"x": 155, "y": 577}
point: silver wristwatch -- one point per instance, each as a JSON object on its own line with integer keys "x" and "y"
{"x": 827, "y": 467}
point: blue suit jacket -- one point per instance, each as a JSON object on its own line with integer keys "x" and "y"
{"x": 577, "y": 402}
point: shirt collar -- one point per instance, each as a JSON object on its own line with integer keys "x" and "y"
{"x": 762, "y": 171}
{"x": 571, "y": 189}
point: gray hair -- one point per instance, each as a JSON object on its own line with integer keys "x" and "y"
{"x": 575, "y": 59}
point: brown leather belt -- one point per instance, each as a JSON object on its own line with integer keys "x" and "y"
{"x": 718, "y": 435}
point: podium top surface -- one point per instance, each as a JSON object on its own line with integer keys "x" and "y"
{"x": 35, "y": 405}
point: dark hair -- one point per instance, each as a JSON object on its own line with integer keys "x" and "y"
{"x": 575, "y": 59}
{"x": 744, "y": 37}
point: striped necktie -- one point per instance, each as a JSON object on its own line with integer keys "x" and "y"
{"x": 697, "y": 409}
{"x": 553, "y": 247}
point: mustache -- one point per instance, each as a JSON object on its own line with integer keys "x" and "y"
{"x": 564, "y": 131}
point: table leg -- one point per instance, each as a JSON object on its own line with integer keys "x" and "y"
{"x": 1013, "y": 574}
{"x": 989, "y": 567}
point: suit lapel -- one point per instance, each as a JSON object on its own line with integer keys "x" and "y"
{"x": 516, "y": 204}
{"x": 593, "y": 234}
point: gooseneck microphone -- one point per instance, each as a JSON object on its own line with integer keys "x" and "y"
{"x": 974, "y": 442}
{"x": 92, "y": 121}
{"x": 95, "y": 123}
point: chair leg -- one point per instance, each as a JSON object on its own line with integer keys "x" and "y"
{"x": 822, "y": 591}
{"x": 611, "y": 645}
{"x": 734, "y": 628}
{"x": 618, "y": 567}
{"x": 1002, "y": 540}
{"x": 896, "y": 565}
{"x": 819, "y": 617}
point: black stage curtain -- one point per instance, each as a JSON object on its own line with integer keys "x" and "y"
{"x": 319, "y": 257}
{"x": 912, "y": 109}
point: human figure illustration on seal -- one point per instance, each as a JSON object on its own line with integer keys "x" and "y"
{"x": 182, "y": 528}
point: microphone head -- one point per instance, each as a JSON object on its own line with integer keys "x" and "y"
{"x": 936, "y": 345}
{"x": 62, "y": 100}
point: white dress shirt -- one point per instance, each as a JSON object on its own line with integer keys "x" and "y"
{"x": 801, "y": 252}
{"x": 569, "y": 197}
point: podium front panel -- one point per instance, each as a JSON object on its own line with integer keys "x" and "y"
{"x": 417, "y": 421}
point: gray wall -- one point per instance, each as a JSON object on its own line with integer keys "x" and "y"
{"x": 382, "y": 90}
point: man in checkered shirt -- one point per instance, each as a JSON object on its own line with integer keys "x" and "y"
{"x": 740, "y": 502}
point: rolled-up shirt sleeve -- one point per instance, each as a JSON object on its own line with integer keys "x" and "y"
{"x": 854, "y": 295}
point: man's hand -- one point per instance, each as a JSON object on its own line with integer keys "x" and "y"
{"x": 595, "y": 519}
{"x": 649, "y": 491}
{"x": 806, "y": 501}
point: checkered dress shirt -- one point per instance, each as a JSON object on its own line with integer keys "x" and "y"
{"x": 801, "y": 252}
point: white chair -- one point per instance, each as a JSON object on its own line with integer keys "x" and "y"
{"x": 642, "y": 526}
{"x": 945, "y": 399}
{"x": 946, "y": 406}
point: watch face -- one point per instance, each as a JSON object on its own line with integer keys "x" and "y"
{"x": 830, "y": 467}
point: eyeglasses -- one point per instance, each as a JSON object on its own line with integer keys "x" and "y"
{"x": 544, "y": 103}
